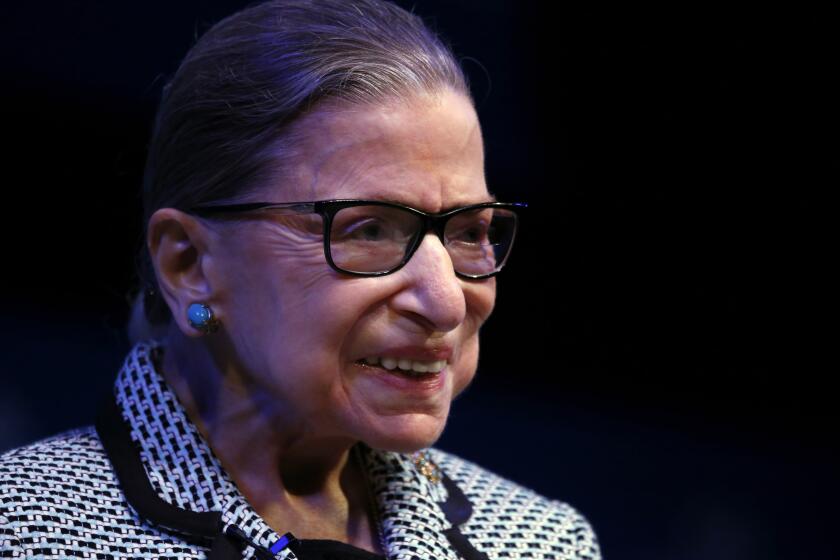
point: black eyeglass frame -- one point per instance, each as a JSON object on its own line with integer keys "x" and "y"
{"x": 328, "y": 209}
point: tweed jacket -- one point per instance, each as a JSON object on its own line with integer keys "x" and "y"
{"x": 66, "y": 496}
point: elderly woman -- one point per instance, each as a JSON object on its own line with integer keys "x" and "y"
{"x": 321, "y": 250}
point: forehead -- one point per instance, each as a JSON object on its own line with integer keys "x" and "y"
{"x": 426, "y": 152}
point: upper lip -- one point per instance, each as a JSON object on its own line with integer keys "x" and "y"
{"x": 414, "y": 353}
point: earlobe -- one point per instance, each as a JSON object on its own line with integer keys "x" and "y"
{"x": 178, "y": 246}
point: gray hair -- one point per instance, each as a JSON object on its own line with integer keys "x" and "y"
{"x": 223, "y": 125}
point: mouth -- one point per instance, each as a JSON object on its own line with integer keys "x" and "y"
{"x": 410, "y": 369}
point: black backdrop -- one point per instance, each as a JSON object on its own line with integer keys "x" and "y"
{"x": 653, "y": 358}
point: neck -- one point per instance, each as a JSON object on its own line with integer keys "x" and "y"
{"x": 296, "y": 480}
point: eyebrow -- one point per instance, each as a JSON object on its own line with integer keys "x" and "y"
{"x": 490, "y": 198}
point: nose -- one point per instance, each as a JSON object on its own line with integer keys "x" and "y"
{"x": 431, "y": 294}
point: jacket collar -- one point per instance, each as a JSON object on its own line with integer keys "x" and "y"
{"x": 184, "y": 472}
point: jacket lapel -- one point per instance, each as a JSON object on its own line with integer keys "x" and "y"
{"x": 184, "y": 472}
{"x": 411, "y": 518}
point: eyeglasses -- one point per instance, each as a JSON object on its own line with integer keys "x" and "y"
{"x": 375, "y": 238}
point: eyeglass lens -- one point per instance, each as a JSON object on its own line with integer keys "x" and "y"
{"x": 371, "y": 239}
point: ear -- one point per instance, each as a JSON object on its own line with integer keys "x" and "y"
{"x": 179, "y": 245}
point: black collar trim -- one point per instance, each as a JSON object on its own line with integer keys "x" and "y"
{"x": 206, "y": 527}
{"x": 125, "y": 457}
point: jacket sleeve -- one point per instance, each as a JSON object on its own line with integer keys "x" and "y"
{"x": 9, "y": 543}
{"x": 580, "y": 531}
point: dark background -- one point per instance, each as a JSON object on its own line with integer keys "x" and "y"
{"x": 655, "y": 358}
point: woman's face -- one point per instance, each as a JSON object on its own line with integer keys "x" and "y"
{"x": 302, "y": 332}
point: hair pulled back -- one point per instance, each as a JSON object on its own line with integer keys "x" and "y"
{"x": 222, "y": 126}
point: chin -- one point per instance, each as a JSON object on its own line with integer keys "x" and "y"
{"x": 408, "y": 435}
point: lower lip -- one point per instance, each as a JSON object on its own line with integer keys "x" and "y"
{"x": 428, "y": 384}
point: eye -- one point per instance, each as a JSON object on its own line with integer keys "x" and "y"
{"x": 370, "y": 231}
{"x": 472, "y": 227}
{"x": 362, "y": 230}
{"x": 476, "y": 233}
{"x": 373, "y": 224}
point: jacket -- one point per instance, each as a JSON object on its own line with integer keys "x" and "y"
{"x": 144, "y": 483}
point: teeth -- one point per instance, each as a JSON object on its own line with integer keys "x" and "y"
{"x": 389, "y": 363}
{"x": 406, "y": 365}
{"x": 437, "y": 366}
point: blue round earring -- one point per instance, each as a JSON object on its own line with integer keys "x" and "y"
{"x": 201, "y": 318}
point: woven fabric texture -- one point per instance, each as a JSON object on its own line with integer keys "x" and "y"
{"x": 59, "y": 497}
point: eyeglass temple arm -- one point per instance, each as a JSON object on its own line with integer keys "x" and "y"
{"x": 284, "y": 208}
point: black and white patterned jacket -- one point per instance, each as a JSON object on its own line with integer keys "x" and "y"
{"x": 160, "y": 492}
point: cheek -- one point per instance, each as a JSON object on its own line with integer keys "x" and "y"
{"x": 481, "y": 299}
{"x": 270, "y": 271}
{"x": 468, "y": 362}
{"x": 267, "y": 288}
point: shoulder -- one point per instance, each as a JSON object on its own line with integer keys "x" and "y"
{"x": 78, "y": 439}
{"x": 75, "y": 455}
{"x": 42, "y": 482}
{"x": 60, "y": 460}
{"x": 508, "y": 515}
{"x": 60, "y": 497}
